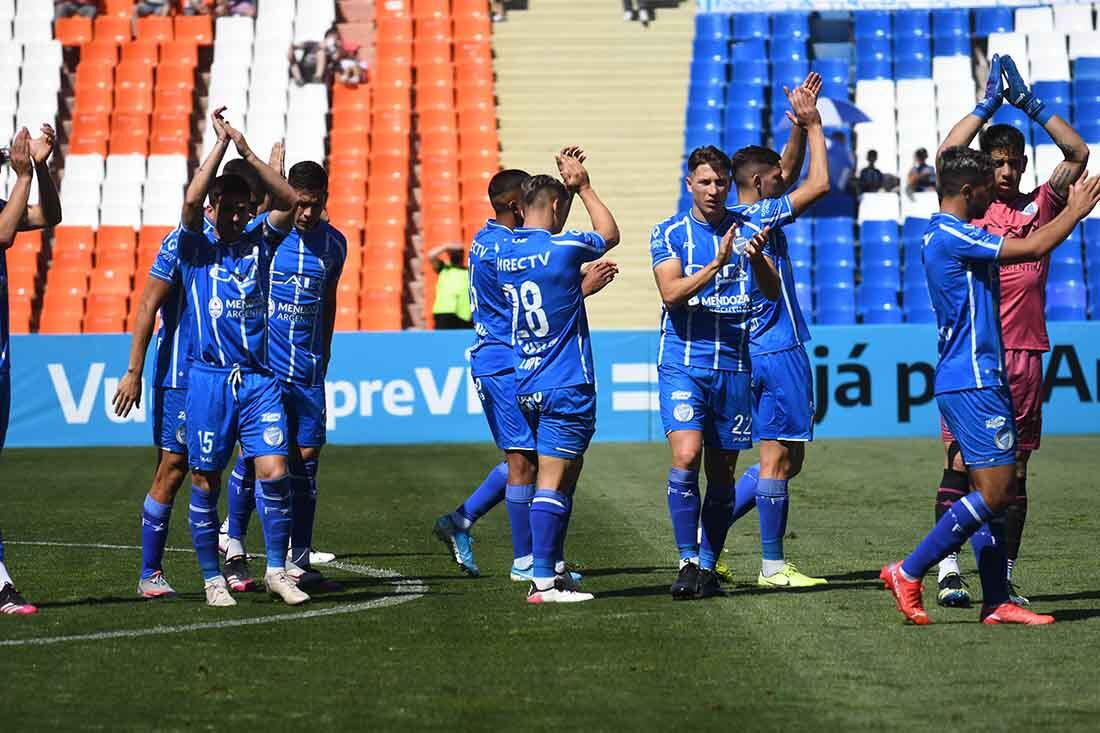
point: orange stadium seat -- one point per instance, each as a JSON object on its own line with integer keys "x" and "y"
{"x": 94, "y": 101}
{"x": 87, "y": 144}
{"x": 391, "y": 98}
{"x": 122, "y": 261}
{"x": 173, "y": 76}
{"x": 70, "y": 263}
{"x": 197, "y": 28}
{"x": 114, "y": 239}
{"x": 431, "y": 51}
{"x": 27, "y": 242}
{"x": 435, "y": 74}
{"x": 173, "y": 100}
{"x": 473, "y": 29}
{"x": 347, "y": 315}
{"x": 136, "y": 102}
{"x": 350, "y": 216}
{"x": 130, "y": 122}
{"x": 98, "y": 52}
{"x": 180, "y": 53}
{"x": 473, "y": 75}
{"x": 395, "y": 29}
{"x": 395, "y": 143}
{"x": 351, "y": 119}
{"x": 435, "y": 98}
{"x": 349, "y": 97}
{"x": 73, "y": 31}
{"x": 347, "y": 167}
{"x": 461, "y": 8}
{"x": 89, "y": 133}
{"x": 104, "y": 323}
{"x": 171, "y": 121}
{"x": 389, "y": 76}
{"x": 105, "y": 312}
{"x": 121, "y": 8}
{"x": 112, "y": 28}
{"x": 473, "y": 53}
{"x": 94, "y": 76}
{"x": 60, "y": 321}
{"x": 393, "y": 52}
{"x": 168, "y": 141}
{"x": 438, "y": 29}
{"x": 141, "y": 52}
{"x": 431, "y": 9}
{"x": 19, "y": 316}
{"x": 133, "y": 76}
{"x": 345, "y": 192}
{"x": 128, "y": 142}
{"x": 105, "y": 281}
{"x": 436, "y": 120}
{"x": 73, "y": 238}
{"x": 380, "y": 310}
{"x": 349, "y": 142}
{"x": 155, "y": 28}
{"x": 394, "y": 120}
{"x": 441, "y": 144}
{"x": 476, "y": 119}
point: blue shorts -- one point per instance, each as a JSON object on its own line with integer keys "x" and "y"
{"x": 5, "y": 405}
{"x": 563, "y": 420}
{"x": 983, "y": 423}
{"x": 507, "y": 422}
{"x": 305, "y": 413}
{"x": 218, "y": 416}
{"x": 716, "y": 403}
{"x": 783, "y": 396}
{"x": 170, "y": 419}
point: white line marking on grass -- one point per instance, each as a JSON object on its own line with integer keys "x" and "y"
{"x": 406, "y": 589}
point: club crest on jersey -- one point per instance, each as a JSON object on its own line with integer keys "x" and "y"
{"x": 215, "y": 307}
{"x": 994, "y": 423}
{"x": 181, "y": 434}
{"x": 270, "y": 308}
{"x": 273, "y": 435}
{"x": 1005, "y": 438}
{"x": 1031, "y": 209}
{"x": 683, "y": 412}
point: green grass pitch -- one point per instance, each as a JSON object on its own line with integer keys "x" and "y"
{"x": 470, "y": 654}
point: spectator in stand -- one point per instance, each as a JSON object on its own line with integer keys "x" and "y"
{"x": 350, "y": 69}
{"x": 153, "y": 7}
{"x": 197, "y": 7}
{"x": 922, "y": 177}
{"x": 500, "y": 11}
{"x": 69, "y": 8}
{"x": 637, "y": 10}
{"x": 842, "y": 163}
{"x": 872, "y": 180}
{"x": 246, "y": 8}
{"x": 452, "y": 290}
{"x": 316, "y": 63}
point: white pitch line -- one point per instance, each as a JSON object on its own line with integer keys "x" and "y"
{"x": 408, "y": 589}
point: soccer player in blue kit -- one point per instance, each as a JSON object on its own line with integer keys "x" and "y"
{"x": 703, "y": 363}
{"x": 232, "y": 394}
{"x": 304, "y": 276}
{"x": 962, "y": 267}
{"x": 492, "y": 366}
{"x": 28, "y": 161}
{"x": 539, "y": 269}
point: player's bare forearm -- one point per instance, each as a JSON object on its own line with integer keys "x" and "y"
{"x": 1074, "y": 151}
{"x": 677, "y": 288}
{"x": 194, "y": 198}
{"x": 152, "y": 297}
{"x": 48, "y": 211}
{"x": 282, "y": 195}
{"x": 1042, "y": 241}
{"x": 329, "y": 324}
{"x": 766, "y": 276}
{"x": 963, "y": 133}
{"x": 794, "y": 153}
{"x": 603, "y": 223}
{"x": 13, "y": 212}
{"x": 816, "y": 184}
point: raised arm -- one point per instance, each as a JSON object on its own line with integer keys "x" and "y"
{"x": 1082, "y": 198}
{"x": 16, "y": 208}
{"x": 283, "y": 197}
{"x": 576, "y": 179}
{"x": 816, "y": 184}
{"x": 966, "y": 129}
{"x": 48, "y": 211}
{"x": 128, "y": 394}
{"x": 794, "y": 152}
{"x": 194, "y": 198}
{"x": 277, "y": 161}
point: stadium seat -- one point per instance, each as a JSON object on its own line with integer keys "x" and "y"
{"x": 951, "y": 46}
{"x": 196, "y": 28}
{"x": 836, "y": 305}
{"x": 834, "y": 75}
{"x": 751, "y": 25}
{"x": 1066, "y": 301}
{"x": 791, "y": 24}
{"x": 873, "y": 24}
{"x": 912, "y": 22}
{"x": 753, "y": 73}
{"x": 74, "y": 31}
{"x": 714, "y": 26}
{"x": 879, "y": 305}
{"x": 989, "y": 20}
{"x": 112, "y": 28}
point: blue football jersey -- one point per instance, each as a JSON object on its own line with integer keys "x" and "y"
{"x": 304, "y": 267}
{"x": 960, "y": 264}
{"x": 226, "y": 285}
{"x": 776, "y": 325}
{"x": 5, "y": 324}
{"x": 712, "y": 329}
{"x": 492, "y": 313}
{"x": 173, "y": 351}
{"x": 540, "y": 273}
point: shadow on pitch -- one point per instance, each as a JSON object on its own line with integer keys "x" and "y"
{"x": 1075, "y": 614}
{"x": 600, "y": 572}
{"x": 1088, "y": 595}
{"x": 117, "y": 600}
{"x": 378, "y": 555}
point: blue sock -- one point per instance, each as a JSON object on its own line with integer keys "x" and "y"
{"x": 559, "y": 548}
{"x": 488, "y": 495}
{"x": 989, "y": 550}
{"x": 273, "y": 504}
{"x": 548, "y": 511}
{"x": 716, "y": 525}
{"x": 771, "y": 500}
{"x": 683, "y": 507}
{"x": 519, "y": 516}
{"x": 744, "y": 500}
{"x": 242, "y": 497}
{"x": 963, "y": 519}
{"x": 203, "y": 517}
{"x": 154, "y": 535}
{"x": 303, "y": 499}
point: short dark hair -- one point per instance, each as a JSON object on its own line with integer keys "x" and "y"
{"x": 1002, "y": 137}
{"x": 921, "y": 153}
{"x": 959, "y": 166}
{"x": 872, "y": 155}
{"x": 228, "y": 184}
{"x": 504, "y": 183}
{"x": 308, "y": 176}
{"x": 746, "y": 160}
{"x": 712, "y": 156}
{"x": 238, "y": 167}
{"x": 538, "y": 188}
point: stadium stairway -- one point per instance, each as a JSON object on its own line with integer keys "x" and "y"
{"x": 572, "y": 72}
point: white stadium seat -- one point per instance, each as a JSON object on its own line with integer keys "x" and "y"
{"x": 1084, "y": 43}
{"x": 167, "y": 169}
{"x": 879, "y": 207}
{"x": 26, "y": 29}
{"x": 1030, "y": 20}
{"x": 1011, "y": 44}
{"x": 121, "y": 215}
{"x": 1046, "y": 159}
{"x": 1068, "y": 18}
{"x": 126, "y": 167}
{"x": 920, "y": 205}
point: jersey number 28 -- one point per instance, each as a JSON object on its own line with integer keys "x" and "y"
{"x": 529, "y": 298}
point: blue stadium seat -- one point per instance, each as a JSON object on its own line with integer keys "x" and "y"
{"x": 1085, "y": 111}
{"x": 912, "y": 229}
{"x": 717, "y": 52}
{"x": 791, "y": 25}
{"x": 704, "y": 116}
{"x": 804, "y": 292}
{"x": 870, "y": 68}
{"x": 913, "y": 22}
{"x": 712, "y": 25}
{"x": 753, "y": 49}
{"x": 912, "y": 57}
{"x": 874, "y": 47}
{"x": 880, "y": 253}
{"x": 833, "y": 275}
{"x": 993, "y": 20}
{"x": 1086, "y": 92}
{"x": 881, "y": 275}
{"x": 879, "y": 232}
{"x": 833, "y": 230}
{"x": 1087, "y": 67}
{"x": 695, "y": 137}
{"x": 872, "y": 24}
{"x": 835, "y": 203}
{"x": 1053, "y": 92}
{"x": 747, "y": 95}
{"x": 879, "y": 304}
{"x": 789, "y": 49}
{"x": 1009, "y": 115}
{"x": 1066, "y": 301}
{"x": 790, "y": 73}
{"x": 916, "y": 303}
{"x": 834, "y": 75}
{"x": 919, "y": 315}
{"x": 951, "y": 22}
{"x": 742, "y": 118}
{"x": 800, "y": 231}
{"x": 735, "y": 139}
{"x": 951, "y": 45}
{"x": 1090, "y": 131}
{"x": 712, "y": 96}
{"x": 802, "y": 257}
{"x": 836, "y": 306}
{"x": 704, "y": 73}
{"x": 753, "y": 73}
{"x": 1065, "y": 271}
{"x": 750, "y": 25}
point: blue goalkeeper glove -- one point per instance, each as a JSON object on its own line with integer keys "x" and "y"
{"x": 1020, "y": 96}
{"x": 994, "y": 91}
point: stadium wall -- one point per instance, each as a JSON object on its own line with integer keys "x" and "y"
{"x": 870, "y": 381}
